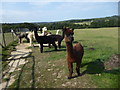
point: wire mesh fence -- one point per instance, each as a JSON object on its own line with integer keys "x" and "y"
{"x": 6, "y": 39}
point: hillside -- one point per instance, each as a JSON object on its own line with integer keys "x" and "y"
{"x": 76, "y": 23}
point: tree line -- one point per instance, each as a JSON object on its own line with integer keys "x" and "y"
{"x": 113, "y": 21}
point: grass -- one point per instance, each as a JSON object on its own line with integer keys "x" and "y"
{"x": 6, "y": 52}
{"x": 9, "y": 38}
{"x": 49, "y": 69}
{"x": 85, "y": 22}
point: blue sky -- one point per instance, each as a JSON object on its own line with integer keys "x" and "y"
{"x": 55, "y": 11}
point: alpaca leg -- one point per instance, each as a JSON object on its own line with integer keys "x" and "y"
{"x": 55, "y": 46}
{"x": 27, "y": 39}
{"x": 30, "y": 41}
{"x": 20, "y": 39}
{"x": 41, "y": 48}
{"x": 49, "y": 45}
{"x": 78, "y": 68}
{"x": 59, "y": 44}
{"x": 70, "y": 67}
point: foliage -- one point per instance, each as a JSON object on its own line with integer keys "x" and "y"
{"x": 93, "y": 23}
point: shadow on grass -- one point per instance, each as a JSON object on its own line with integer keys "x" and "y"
{"x": 97, "y": 67}
{"x": 32, "y": 73}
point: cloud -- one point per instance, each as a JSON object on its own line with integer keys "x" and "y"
{"x": 54, "y": 11}
{"x": 13, "y": 15}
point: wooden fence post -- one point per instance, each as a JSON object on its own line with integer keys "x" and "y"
{"x": 3, "y": 38}
{"x": 1, "y": 45}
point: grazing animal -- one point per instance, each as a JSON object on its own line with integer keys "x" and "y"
{"x": 57, "y": 32}
{"x": 44, "y": 40}
{"x": 74, "y": 53}
{"x": 44, "y": 28}
{"x": 29, "y": 35}
{"x": 44, "y": 31}
{"x": 58, "y": 38}
{"x": 40, "y": 29}
{"x": 21, "y": 36}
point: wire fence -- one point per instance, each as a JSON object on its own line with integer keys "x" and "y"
{"x": 6, "y": 38}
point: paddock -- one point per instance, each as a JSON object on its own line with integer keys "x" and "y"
{"x": 49, "y": 69}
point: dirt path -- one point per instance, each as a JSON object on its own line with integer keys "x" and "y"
{"x": 16, "y": 59}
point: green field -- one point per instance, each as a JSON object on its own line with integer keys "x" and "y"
{"x": 49, "y": 69}
{"x": 85, "y": 22}
{"x": 9, "y": 38}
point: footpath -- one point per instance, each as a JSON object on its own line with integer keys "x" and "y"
{"x": 16, "y": 59}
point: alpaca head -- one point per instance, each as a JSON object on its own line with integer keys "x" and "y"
{"x": 68, "y": 32}
{"x": 34, "y": 28}
{"x": 44, "y": 28}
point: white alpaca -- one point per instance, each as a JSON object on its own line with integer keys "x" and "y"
{"x": 31, "y": 37}
{"x": 44, "y": 28}
{"x": 57, "y": 32}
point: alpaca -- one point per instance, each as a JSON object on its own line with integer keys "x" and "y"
{"x": 57, "y": 32}
{"x": 31, "y": 36}
{"x": 21, "y": 36}
{"x": 58, "y": 38}
{"x": 44, "y": 31}
{"x": 40, "y": 29}
{"x": 44, "y": 40}
{"x": 74, "y": 53}
{"x": 44, "y": 28}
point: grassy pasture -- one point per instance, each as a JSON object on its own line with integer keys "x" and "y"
{"x": 10, "y": 43}
{"x": 9, "y": 38}
{"x": 49, "y": 69}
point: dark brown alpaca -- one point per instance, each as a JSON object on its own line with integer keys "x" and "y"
{"x": 74, "y": 53}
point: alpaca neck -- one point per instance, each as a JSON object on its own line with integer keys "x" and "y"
{"x": 36, "y": 34}
{"x": 69, "y": 47}
{"x": 63, "y": 35}
{"x": 57, "y": 32}
{"x": 43, "y": 32}
{"x": 15, "y": 33}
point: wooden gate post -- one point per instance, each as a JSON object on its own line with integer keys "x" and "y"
{"x": 3, "y": 37}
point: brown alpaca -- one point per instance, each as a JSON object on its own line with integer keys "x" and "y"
{"x": 74, "y": 53}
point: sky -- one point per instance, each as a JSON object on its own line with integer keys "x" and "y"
{"x": 50, "y": 11}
